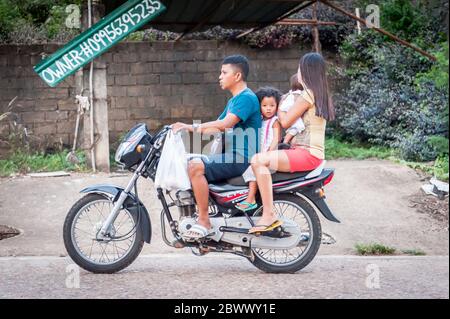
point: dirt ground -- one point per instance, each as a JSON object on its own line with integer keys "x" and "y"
{"x": 431, "y": 206}
{"x": 376, "y": 201}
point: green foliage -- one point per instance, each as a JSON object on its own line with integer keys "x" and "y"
{"x": 383, "y": 104}
{"x": 438, "y": 73}
{"x": 136, "y": 36}
{"x": 55, "y": 21}
{"x": 414, "y": 252}
{"x": 439, "y": 143}
{"x": 437, "y": 168}
{"x": 34, "y": 16}
{"x": 440, "y": 168}
{"x": 22, "y": 162}
{"x": 374, "y": 249}
{"x": 403, "y": 18}
{"x": 9, "y": 14}
{"x": 337, "y": 149}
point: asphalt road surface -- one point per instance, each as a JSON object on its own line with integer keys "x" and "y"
{"x": 182, "y": 275}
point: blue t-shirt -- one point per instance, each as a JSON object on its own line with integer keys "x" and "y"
{"x": 243, "y": 138}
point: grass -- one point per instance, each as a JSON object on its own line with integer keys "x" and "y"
{"x": 414, "y": 252}
{"x": 336, "y": 149}
{"x": 438, "y": 168}
{"x": 374, "y": 249}
{"x": 22, "y": 163}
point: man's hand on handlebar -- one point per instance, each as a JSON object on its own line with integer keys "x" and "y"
{"x": 176, "y": 127}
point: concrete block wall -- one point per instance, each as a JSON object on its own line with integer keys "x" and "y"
{"x": 154, "y": 82}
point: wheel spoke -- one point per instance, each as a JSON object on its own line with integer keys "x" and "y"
{"x": 83, "y": 231}
{"x": 121, "y": 224}
{"x": 295, "y": 213}
{"x": 90, "y": 251}
{"x": 84, "y": 227}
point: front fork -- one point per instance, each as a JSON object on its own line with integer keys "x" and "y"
{"x": 107, "y": 225}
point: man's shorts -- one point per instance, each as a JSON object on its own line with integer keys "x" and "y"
{"x": 220, "y": 167}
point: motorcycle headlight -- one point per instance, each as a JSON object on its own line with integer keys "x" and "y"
{"x": 126, "y": 152}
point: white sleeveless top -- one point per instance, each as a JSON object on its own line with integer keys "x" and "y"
{"x": 267, "y": 133}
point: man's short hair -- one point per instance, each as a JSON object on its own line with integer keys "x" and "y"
{"x": 239, "y": 61}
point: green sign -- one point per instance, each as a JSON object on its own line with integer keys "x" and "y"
{"x": 98, "y": 39}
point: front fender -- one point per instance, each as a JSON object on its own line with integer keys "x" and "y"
{"x": 112, "y": 193}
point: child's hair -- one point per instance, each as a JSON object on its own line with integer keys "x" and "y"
{"x": 295, "y": 84}
{"x": 268, "y": 92}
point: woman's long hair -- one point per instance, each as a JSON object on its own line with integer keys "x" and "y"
{"x": 313, "y": 71}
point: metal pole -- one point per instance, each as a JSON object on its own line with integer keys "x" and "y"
{"x": 91, "y": 95}
{"x": 315, "y": 29}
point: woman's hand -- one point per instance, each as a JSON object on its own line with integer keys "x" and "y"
{"x": 287, "y": 119}
{"x": 281, "y": 113}
{"x": 281, "y": 117}
{"x": 176, "y": 127}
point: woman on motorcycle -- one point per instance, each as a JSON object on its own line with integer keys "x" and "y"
{"x": 315, "y": 107}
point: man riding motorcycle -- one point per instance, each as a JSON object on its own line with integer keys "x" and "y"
{"x": 242, "y": 113}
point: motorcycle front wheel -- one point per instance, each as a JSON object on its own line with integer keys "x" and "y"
{"x": 291, "y": 260}
{"x": 87, "y": 249}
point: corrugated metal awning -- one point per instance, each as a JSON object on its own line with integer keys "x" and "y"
{"x": 183, "y": 16}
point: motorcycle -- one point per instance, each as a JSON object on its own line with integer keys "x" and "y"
{"x": 105, "y": 230}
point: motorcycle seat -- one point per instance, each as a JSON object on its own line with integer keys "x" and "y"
{"x": 238, "y": 183}
{"x": 276, "y": 177}
{"x": 280, "y": 176}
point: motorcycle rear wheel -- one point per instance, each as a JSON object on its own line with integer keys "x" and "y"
{"x": 279, "y": 262}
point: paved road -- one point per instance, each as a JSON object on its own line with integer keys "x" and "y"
{"x": 182, "y": 275}
{"x": 370, "y": 197}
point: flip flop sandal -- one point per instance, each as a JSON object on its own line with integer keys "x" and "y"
{"x": 250, "y": 206}
{"x": 267, "y": 228}
{"x": 198, "y": 231}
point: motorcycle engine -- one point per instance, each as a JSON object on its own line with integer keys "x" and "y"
{"x": 185, "y": 203}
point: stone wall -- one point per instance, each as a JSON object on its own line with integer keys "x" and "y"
{"x": 157, "y": 83}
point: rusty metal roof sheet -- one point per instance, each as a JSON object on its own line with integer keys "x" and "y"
{"x": 184, "y": 16}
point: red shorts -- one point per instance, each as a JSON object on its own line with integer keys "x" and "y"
{"x": 301, "y": 160}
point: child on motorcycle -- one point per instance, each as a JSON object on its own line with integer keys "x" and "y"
{"x": 287, "y": 101}
{"x": 269, "y": 99}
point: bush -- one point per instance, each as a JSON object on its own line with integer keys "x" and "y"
{"x": 9, "y": 14}
{"x": 35, "y": 21}
{"x": 384, "y": 104}
{"x": 403, "y": 18}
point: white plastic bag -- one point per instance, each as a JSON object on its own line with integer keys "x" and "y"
{"x": 171, "y": 173}
{"x": 216, "y": 147}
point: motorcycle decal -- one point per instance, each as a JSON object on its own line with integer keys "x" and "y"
{"x": 232, "y": 197}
